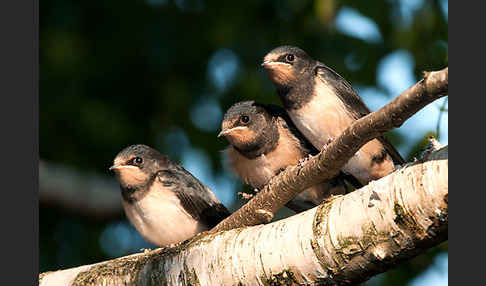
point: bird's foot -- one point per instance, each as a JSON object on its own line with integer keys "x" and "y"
{"x": 245, "y": 196}
{"x": 172, "y": 245}
{"x": 329, "y": 141}
{"x": 145, "y": 250}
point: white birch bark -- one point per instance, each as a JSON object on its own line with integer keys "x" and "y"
{"x": 345, "y": 241}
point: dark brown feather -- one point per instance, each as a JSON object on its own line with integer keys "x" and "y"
{"x": 195, "y": 198}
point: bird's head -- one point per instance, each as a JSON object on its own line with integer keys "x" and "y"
{"x": 246, "y": 124}
{"x": 135, "y": 165}
{"x": 285, "y": 65}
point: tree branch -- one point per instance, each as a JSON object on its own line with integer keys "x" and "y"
{"x": 290, "y": 182}
{"x": 344, "y": 241}
{"x": 86, "y": 194}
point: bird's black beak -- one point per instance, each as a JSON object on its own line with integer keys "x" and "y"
{"x": 115, "y": 167}
{"x": 266, "y": 64}
{"x": 272, "y": 65}
{"x": 227, "y": 131}
{"x": 223, "y": 132}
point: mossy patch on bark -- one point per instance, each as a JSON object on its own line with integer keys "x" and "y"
{"x": 286, "y": 277}
{"x": 319, "y": 229}
{"x": 406, "y": 221}
{"x": 188, "y": 277}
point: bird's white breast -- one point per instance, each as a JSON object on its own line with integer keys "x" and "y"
{"x": 255, "y": 172}
{"x": 324, "y": 118}
{"x": 161, "y": 219}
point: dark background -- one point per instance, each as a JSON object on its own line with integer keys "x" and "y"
{"x": 162, "y": 73}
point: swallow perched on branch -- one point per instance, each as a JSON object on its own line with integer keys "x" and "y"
{"x": 322, "y": 105}
{"x": 164, "y": 202}
{"x": 263, "y": 142}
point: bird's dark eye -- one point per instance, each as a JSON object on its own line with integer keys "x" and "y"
{"x": 167, "y": 183}
{"x": 244, "y": 119}
{"x": 290, "y": 58}
{"x": 138, "y": 160}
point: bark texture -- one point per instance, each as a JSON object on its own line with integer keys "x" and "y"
{"x": 290, "y": 182}
{"x": 344, "y": 241}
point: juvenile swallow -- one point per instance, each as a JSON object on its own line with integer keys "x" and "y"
{"x": 164, "y": 202}
{"x": 322, "y": 105}
{"x": 263, "y": 141}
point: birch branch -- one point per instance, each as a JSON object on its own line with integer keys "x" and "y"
{"x": 290, "y": 182}
{"x": 345, "y": 241}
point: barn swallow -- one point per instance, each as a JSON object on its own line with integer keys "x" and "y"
{"x": 263, "y": 141}
{"x": 164, "y": 202}
{"x": 322, "y": 105}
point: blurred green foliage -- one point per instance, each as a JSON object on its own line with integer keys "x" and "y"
{"x": 115, "y": 73}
